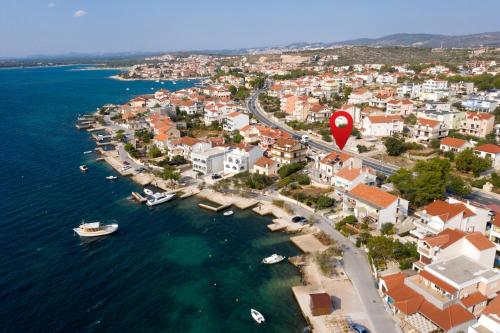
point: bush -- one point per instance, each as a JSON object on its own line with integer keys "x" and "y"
{"x": 257, "y": 181}
{"x": 324, "y": 202}
{"x": 289, "y": 169}
{"x": 154, "y": 152}
{"x": 351, "y": 219}
{"x": 387, "y": 229}
{"x": 394, "y": 146}
{"x": 303, "y": 179}
{"x": 466, "y": 161}
{"x": 278, "y": 203}
{"x": 362, "y": 149}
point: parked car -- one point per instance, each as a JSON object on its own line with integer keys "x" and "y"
{"x": 357, "y": 328}
{"x": 216, "y": 176}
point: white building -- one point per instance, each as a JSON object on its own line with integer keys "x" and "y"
{"x": 439, "y": 215}
{"x": 490, "y": 151}
{"x": 241, "y": 158}
{"x": 348, "y": 178}
{"x": 235, "y": 121}
{"x": 382, "y": 125}
{"x": 208, "y": 161}
{"x": 374, "y": 205}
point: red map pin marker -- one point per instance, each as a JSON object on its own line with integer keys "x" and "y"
{"x": 341, "y": 134}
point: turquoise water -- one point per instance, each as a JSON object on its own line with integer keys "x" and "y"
{"x": 173, "y": 268}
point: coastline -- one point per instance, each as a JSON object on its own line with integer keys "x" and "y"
{"x": 119, "y": 78}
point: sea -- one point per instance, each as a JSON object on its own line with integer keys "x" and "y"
{"x": 171, "y": 268}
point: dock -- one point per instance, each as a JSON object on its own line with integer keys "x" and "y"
{"x": 189, "y": 193}
{"x": 214, "y": 209}
{"x": 137, "y": 196}
{"x": 308, "y": 243}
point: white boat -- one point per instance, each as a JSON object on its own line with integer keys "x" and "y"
{"x": 174, "y": 82}
{"x": 148, "y": 191}
{"x": 159, "y": 198}
{"x": 127, "y": 89}
{"x": 257, "y": 316}
{"x": 162, "y": 82}
{"x": 273, "y": 259}
{"x": 94, "y": 229}
{"x": 84, "y": 168}
{"x": 157, "y": 81}
{"x": 111, "y": 177}
{"x": 228, "y": 213}
{"x": 87, "y": 152}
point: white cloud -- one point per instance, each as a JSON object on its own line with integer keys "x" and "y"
{"x": 80, "y": 13}
{"x": 51, "y": 5}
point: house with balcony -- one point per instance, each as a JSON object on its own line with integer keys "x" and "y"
{"x": 326, "y": 166}
{"x": 454, "y": 214}
{"x": 241, "y": 158}
{"x": 360, "y": 96}
{"x": 402, "y": 107}
{"x": 451, "y": 243}
{"x": 287, "y": 151}
{"x": 490, "y": 151}
{"x": 235, "y": 121}
{"x": 489, "y": 321}
{"x": 454, "y": 145}
{"x": 478, "y": 124}
{"x": 265, "y": 166}
{"x": 381, "y": 126}
{"x": 208, "y": 161}
{"x": 374, "y": 205}
{"x": 406, "y": 297}
{"x": 449, "y": 294}
{"x": 494, "y": 236}
{"x": 185, "y": 145}
{"x": 426, "y": 130}
{"x": 348, "y": 177}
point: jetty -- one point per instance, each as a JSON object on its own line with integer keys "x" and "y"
{"x": 214, "y": 209}
{"x": 137, "y": 196}
{"x": 227, "y": 199}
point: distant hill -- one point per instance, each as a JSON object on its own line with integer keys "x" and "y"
{"x": 417, "y": 40}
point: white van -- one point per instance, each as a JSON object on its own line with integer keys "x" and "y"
{"x": 304, "y": 139}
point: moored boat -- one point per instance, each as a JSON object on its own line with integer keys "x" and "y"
{"x": 84, "y": 168}
{"x": 273, "y": 259}
{"x": 87, "y": 152}
{"x": 111, "y": 177}
{"x": 94, "y": 229}
{"x": 148, "y": 191}
{"x": 257, "y": 316}
{"x": 159, "y": 198}
{"x": 228, "y": 213}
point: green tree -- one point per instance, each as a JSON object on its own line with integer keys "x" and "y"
{"x": 467, "y": 161}
{"x": 237, "y": 137}
{"x": 289, "y": 169}
{"x": 394, "y": 146}
{"x": 458, "y": 187}
{"x": 154, "y": 152}
{"x": 411, "y": 119}
{"x": 170, "y": 173}
{"x": 233, "y": 90}
{"x": 434, "y": 144}
{"x": 424, "y": 183}
{"x": 387, "y": 228}
{"x": 324, "y": 201}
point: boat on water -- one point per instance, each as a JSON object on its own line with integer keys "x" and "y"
{"x": 174, "y": 82}
{"x": 94, "y": 229}
{"x": 111, "y": 177}
{"x": 127, "y": 89}
{"x": 84, "y": 168}
{"x": 87, "y": 152}
{"x": 257, "y": 316}
{"x": 159, "y": 198}
{"x": 273, "y": 259}
{"x": 162, "y": 82}
{"x": 228, "y": 213}
{"x": 157, "y": 81}
{"x": 148, "y": 191}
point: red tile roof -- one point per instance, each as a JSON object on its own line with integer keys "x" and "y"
{"x": 428, "y": 122}
{"x": 372, "y": 195}
{"x": 353, "y": 173}
{"x": 446, "y": 211}
{"x": 445, "y": 238}
{"x": 448, "y": 318}
{"x": 489, "y": 148}
{"x": 453, "y": 142}
{"x": 473, "y": 299}
{"x": 384, "y": 119}
{"x": 264, "y": 162}
{"x": 393, "y": 280}
{"x": 493, "y": 307}
{"x": 480, "y": 115}
{"x": 335, "y": 157}
{"x": 438, "y": 282}
{"x": 479, "y": 241}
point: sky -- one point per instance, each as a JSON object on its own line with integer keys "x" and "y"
{"x": 51, "y": 27}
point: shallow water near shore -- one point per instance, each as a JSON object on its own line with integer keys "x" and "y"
{"x": 174, "y": 267}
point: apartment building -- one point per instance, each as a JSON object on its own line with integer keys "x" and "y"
{"x": 426, "y": 130}
{"x": 327, "y": 166}
{"x": 286, "y": 151}
{"x": 478, "y": 124}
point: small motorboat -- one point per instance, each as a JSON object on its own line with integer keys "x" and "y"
{"x": 94, "y": 229}
{"x": 148, "y": 191}
{"x": 127, "y": 89}
{"x": 87, "y": 152}
{"x": 84, "y": 168}
{"x": 111, "y": 177}
{"x": 159, "y": 198}
{"x": 228, "y": 213}
{"x": 257, "y": 316}
{"x": 273, "y": 259}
